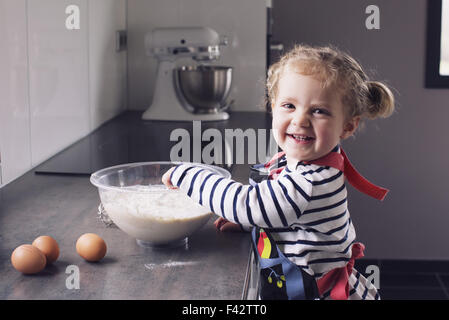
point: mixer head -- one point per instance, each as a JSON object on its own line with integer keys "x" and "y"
{"x": 199, "y": 43}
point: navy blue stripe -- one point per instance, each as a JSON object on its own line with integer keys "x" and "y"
{"x": 311, "y": 243}
{"x": 320, "y": 221}
{"x": 276, "y": 204}
{"x": 296, "y": 228}
{"x": 344, "y": 225}
{"x": 262, "y": 207}
{"x": 202, "y": 187}
{"x": 189, "y": 193}
{"x": 248, "y": 209}
{"x": 314, "y": 243}
{"x": 339, "y": 203}
{"x": 356, "y": 284}
{"x": 365, "y": 293}
{"x": 183, "y": 176}
{"x": 223, "y": 198}
{"x": 348, "y": 247}
{"x": 176, "y": 168}
{"x": 324, "y": 181}
{"x": 282, "y": 161}
{"x": 306, "y": 252}
{"x": 315, "y": 171}
{"x": 328, "y": 260}
{"x": 298, "y": 188}
{"x": 330, "y": 194}
{"x": 211, "y": 197}
{"x": 292, "y": 203}
{"x": 234, "y": 204}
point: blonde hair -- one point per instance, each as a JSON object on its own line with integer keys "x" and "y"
{"x": 360, "y": 96}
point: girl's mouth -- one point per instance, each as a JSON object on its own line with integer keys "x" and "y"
{"x": 300, "y": 138}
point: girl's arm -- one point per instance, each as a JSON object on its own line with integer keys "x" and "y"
{"x": 269, "y": 204}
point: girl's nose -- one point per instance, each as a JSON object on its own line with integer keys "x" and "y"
{"x": 301, "y": 119}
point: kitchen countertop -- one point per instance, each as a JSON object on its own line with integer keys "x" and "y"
{"x": 212, "y": 265}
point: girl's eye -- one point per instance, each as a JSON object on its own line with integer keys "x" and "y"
{"x": 320, "y": 111}
{"x": 288, "y": 106}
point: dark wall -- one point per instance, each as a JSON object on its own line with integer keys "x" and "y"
{"x": 408, "y": 152}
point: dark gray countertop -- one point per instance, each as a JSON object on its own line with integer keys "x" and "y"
{"x": 212, "y": 266}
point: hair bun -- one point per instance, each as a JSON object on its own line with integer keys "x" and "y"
{"x": 381, "y": 100}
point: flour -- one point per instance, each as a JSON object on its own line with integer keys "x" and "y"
{"x": 154, "y": 213}
{"x": 154, "y": 202}
{"x": 170, "y": 264}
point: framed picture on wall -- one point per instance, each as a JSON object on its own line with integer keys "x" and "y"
{"x": 437, "y": 58}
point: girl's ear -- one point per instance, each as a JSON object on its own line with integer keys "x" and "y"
{"x": 350, "y": 127}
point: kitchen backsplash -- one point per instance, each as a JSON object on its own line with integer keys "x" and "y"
{"x": 57, "y": 85}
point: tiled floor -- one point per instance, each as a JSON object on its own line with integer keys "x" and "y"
{"x": 409, "y": 280}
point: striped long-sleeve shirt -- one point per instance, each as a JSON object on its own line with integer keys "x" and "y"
{"x": 305, "y": 210}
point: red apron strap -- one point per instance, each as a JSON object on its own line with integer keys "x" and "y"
{"x": 360, "y": 183}
{"x": 332, "y": 159}
{"x": 341, "y": 162}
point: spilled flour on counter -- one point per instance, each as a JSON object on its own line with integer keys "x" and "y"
{"x": 170, "y": 264}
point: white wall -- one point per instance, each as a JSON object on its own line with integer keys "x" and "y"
{"x": 57, "y": 85}
{"x": 244, "y": 22}
{"x": 408, "y": 152}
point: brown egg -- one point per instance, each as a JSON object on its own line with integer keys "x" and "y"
{"x": 91, "y": 247}
{"x": 28, "y": 259}
{"x": 48, "y": 246}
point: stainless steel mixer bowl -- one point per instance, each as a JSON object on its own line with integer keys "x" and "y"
{"x": 205, "y": 88}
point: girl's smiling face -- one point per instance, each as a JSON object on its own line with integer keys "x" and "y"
{"x": 308, "y": 120}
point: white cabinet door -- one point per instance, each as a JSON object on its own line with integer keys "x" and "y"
{"x": 14, "y": 107}
{"x": 59, "y": 77}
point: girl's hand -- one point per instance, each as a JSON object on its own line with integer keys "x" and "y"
{"x": 166, "y": 178}
{"x": 224, "y": 225}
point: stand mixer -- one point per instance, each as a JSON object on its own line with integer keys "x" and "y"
{"x": 178, "y": 90}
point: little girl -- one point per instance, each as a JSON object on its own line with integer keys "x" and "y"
{"x": 302, "y": 232}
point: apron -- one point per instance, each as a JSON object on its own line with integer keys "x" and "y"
{"x": 280, "y": 278}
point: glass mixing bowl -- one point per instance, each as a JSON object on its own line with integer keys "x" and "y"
{"x": 135, "y": 199}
